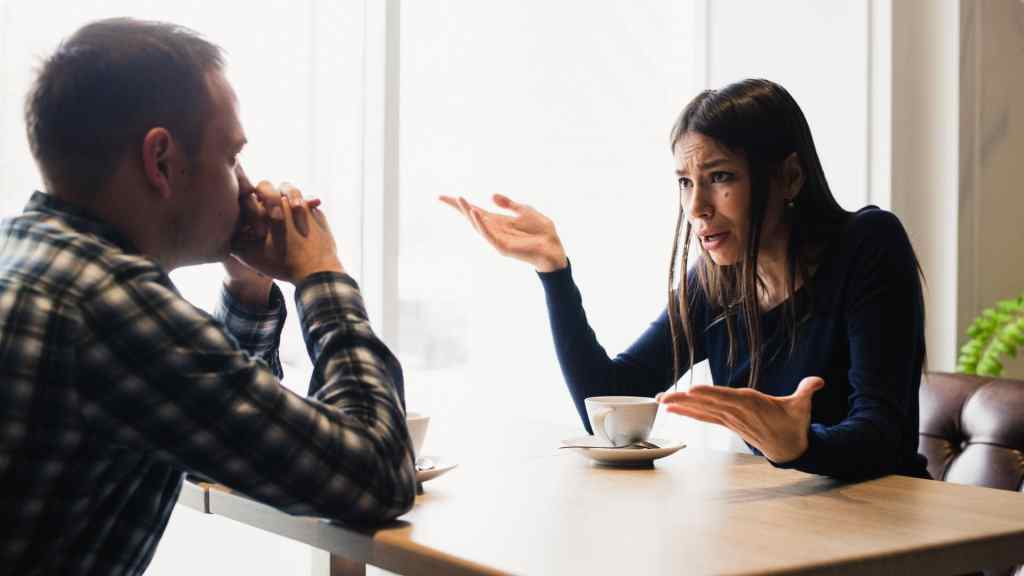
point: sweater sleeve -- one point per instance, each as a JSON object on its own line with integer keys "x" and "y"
{"x": 884, "y": 315}
{"x": 644, "y": 369}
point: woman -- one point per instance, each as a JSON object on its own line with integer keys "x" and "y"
{"x": 811, "y": 317}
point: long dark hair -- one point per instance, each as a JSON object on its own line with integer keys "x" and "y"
{"x": 759, "y": 119}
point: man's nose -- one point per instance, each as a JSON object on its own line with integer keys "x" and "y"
{"x": 244, "y": 186}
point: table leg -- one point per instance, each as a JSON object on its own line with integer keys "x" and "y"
{"x": 341, "y": 566}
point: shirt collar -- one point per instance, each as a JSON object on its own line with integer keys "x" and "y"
{"x": 78, "y": 218}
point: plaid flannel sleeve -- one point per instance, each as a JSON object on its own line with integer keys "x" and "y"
{"x": 161, "y": 375}
{"x": 258, "y": 331}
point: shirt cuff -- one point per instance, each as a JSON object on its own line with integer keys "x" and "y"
{"x": 257, "y": 330}
{"x": 811, "y": 458}
{"x": 333, "y": 291}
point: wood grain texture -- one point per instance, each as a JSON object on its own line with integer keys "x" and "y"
{"x": 695, "y": 512}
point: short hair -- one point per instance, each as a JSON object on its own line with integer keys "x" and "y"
{"x": 106, "y": 86}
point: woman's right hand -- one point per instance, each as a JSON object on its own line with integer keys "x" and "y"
{"x": 528, "y": 236}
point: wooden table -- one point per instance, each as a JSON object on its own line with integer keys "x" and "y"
{"x": 537, "y": 510}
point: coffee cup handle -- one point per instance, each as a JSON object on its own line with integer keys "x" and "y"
{"x": 597, "y": 423}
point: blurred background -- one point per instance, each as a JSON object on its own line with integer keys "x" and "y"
{"x": 379, "y": 106}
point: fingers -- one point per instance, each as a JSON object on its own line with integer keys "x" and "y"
{"x": 484, "y": 228}
{"x": 707, "y": 396}
{"x": 669, "y": 397}
{"x": 456, "y": 203}
{"x": 467, "y": 210}
{"x": 253, "y": 217}
{"x": 318, "y": 216}
{"x": 745, "y": 398}
{"x": 689, "y": 412}
{"x": 808, "y": 386}
{"x": 270, "y": 201}
{"x": 296, "y": 208}
{"x": 509, "y": 204}
{"x": 728, "y": 407}
{"x": 270, "y": 198}
{"x": 465, "y": 206}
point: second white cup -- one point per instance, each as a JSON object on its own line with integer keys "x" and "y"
{"x": 417, "y": 424}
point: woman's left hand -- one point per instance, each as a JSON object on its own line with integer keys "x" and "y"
{"x": 777, "y": 426}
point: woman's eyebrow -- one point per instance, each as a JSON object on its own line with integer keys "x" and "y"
{"x": 712, "y": 163}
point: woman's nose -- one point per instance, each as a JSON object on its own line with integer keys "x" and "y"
{"x": 697, "y": 207}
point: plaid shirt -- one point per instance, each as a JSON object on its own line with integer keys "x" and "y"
{"x": 111, "y": 385}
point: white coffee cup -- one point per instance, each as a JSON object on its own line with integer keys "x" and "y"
{"x": 417, "y": 425}
{"x": 621, "y": 420}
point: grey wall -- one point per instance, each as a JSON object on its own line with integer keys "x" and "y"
{"x": 991, "y": 252}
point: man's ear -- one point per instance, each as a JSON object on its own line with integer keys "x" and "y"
{"x": 161, "y": 161}
{"x": 793, "y": 176}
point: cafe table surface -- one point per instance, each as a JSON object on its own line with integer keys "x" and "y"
{"x": 520, "y": 505}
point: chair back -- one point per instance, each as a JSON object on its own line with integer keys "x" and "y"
{"x": 972, "y": 431}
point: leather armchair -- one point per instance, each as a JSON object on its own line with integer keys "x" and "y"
{"x": 972, "y": 431}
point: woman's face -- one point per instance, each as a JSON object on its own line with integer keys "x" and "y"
{"x": 714, "y": 190}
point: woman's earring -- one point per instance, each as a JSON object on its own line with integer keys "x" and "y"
{"x": 790, "y": 203}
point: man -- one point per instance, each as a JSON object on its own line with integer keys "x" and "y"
{"x": 112, "y": 385}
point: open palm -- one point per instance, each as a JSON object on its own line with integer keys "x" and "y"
{"x": 528, "y": 235}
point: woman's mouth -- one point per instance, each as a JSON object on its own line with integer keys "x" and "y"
{"x": 713, "y": 241}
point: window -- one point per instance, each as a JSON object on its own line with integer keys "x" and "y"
{"x": 298, "y": 68}
{"x": 565, "y": 106}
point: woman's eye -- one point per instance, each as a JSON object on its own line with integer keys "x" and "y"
{"x": 685, "y": 184}
{"x": 720, "y": 177}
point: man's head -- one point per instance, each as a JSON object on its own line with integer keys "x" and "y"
{"x": 105, "y": 87}
{"x": 135, "y": 121}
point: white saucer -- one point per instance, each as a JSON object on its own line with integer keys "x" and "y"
{"x": 599, "y": 451}
{"x": 440, "y": 467}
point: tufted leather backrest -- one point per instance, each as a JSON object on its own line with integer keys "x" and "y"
{"x": 972, "y": 431}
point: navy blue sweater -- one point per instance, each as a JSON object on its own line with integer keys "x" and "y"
{"x": 863, "y": 333}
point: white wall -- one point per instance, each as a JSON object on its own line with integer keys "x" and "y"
{"x": 819, "y": 51}
{"x": 924, "y": 161}
{"x": 992, "y": 137}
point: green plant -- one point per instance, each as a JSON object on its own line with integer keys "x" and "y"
{"x": 996, "y": 333}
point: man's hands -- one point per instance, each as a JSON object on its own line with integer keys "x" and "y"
{"x": 777, "y": 426}
{"x": 280, "y": 235}
{"x": 528, "y": 236}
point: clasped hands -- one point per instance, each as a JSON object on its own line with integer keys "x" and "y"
{"x": 280, "y": 235}
{"x": 777, "y": 426}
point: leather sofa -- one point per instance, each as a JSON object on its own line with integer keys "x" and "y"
{"x": 972, "y": 431}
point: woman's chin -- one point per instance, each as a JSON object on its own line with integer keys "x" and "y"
{"x": 722, "y": 257}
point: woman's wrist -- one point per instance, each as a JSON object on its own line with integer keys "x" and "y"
{"x": 551, "y": 263}
{"x": 552, "y": 258}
